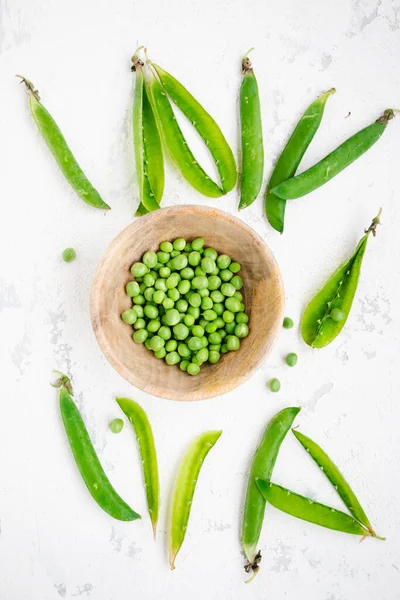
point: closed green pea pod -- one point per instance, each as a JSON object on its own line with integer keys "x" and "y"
{"x": 185, "y": 486}
{"x": 252, "y": 138}
{"x": 58, "y": 146}
{"x": 205, "y": 125}
{"x": 335, "y": 162}
{"x": 317, "y": 328}
{"x": 290, "y": 158}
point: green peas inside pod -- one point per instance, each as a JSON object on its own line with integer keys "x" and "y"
{"x": 186, "y": 305}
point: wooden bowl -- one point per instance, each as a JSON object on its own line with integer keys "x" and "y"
{"x": 263, "y": 298}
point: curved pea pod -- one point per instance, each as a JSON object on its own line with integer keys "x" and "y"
{"x": 185, "y": 486}
{"x": 318, "y": 328}
{"x": 205, "y": 126}
{"x": 58, "y": 146}
{"x": 148, "y": 150}
{"x": 335, "y": 162}
{"x": 308, "y": 510}
{"x": 252, "y": 138}
{"x": 336, "y": 478}
{"x": 291, "y": 156}
{"x": 144, "y": 436}
{"x": 262, "y": 466}
{"x": 86, "y": 458}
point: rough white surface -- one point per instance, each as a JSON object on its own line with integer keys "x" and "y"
{"x": 54, "y": 541}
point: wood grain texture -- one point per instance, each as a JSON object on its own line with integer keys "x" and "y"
{"x": 263, "y": 297}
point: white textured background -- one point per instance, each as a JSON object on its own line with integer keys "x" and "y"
{"x": 54, "y": 541}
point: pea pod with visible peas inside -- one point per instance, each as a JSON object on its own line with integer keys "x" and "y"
{"x": 291, "y": 156}
{"x": 262, "y": 466}
{"x": 58, "y": 146}
{"x": 86, "y": 458}
{"x": 184, "y": 489}
{"x": 326, "y": 314}
{"x": 335, "y": 162}
{"x": 252, "y": 138}
{"x": 148, "y": 455}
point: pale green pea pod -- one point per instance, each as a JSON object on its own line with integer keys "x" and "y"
{"x": 185, "y": 486}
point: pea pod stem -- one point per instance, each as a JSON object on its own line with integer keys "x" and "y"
{"x": 59, "y": 148}
{"x": 86, "y": 458}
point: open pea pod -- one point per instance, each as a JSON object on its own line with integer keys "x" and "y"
{"x": 327, "y": 313}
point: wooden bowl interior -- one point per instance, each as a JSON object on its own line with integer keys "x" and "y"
{"x": 263, "y": 298}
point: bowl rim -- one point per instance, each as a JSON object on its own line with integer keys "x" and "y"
{"x": 107, "y": 348}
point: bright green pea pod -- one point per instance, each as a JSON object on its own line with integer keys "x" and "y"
{"x": 86, "y": 458}
{"x": 262, "y": 466}
{"x": 308, "y": 510}
{"x": 148, "y": 455}
{"x": 335, "y": 162}
{"x": 333, "y": 474}
{"x": 185, "y": 486}
{"x": 205, "y": 125}
{"x": 291, "y": 156}
{"x": 252, "y": 138}
{"x": 55, "y": 140}
{"x": 318, "y": 328}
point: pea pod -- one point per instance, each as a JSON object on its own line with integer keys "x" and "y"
{"x": 252, "y": 138}
{"x": 336, "y": 478}
{"x": 319, "y": 324}
{"x": 184, "y": 489}
{"x": 148, "y": 151}
{"x": 58, "y": 146}
{"x": 291, "y": 156}
{"x": 308, "y": 510}
{"x": 335, "y": 162}
{"x": 205, "y": 126}
{"x": 262, "y": 466}
{"x": 86, "y": 458}
{"x": 148, "y": 455}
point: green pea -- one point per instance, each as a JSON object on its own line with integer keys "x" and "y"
{"x": 129, "y": 316}
{"x": 194, "y": 344}
{"x": 193, "y": 369}
{"x": 162, "y": 257}
{"x": 220, "y": 323}
{"x": 188, "y": 247}
{"x": 225, "y": 275}
{"x": 171, "y": 317}
{"x": 164, "y": 272}
{"x": 228, "y": 290}
{"x": 139, "y": 269}
{"x": 142, "y": 287}
{"x": 211, "y": 253}
{"x": 215, "y": 347}
{"x": 139, "y": 324}
{"x": 214, "y": 357}
{"x": 232, "y": 342}
{"x": 116, "y": 425}
{"x": 173, "y": 294}
{"x": 337, "y": 315}
{"x": 171, "y": 345}
{"x": 241, "y": 308}
{"x": 208, "y": 265}
{"x": 148, "y": 294}
{"x": 219, "y": 308}
{"x": 156, "y": 343}
{"x": 224, "y": 349}
{"x": 68, "y": 255}
{"x": 228, "y": 316}
{"x": 153, "y": 325}
{"x": 165, "y": 332}
{"x": 132, "y": 289}
{"x": 174, "y": 253}
{"x": 214, "y": 282}
{"x": 203, "y": 323}
{"x": 287, "y": 323}
{"x": 139, "y": 299}
{"x": 241, "y": 330}
{"x": 183, "y": 350}
{"x": 235, "y": 267}
{"x": 206, "y": 303}
{"x": 204, "y": 341}
{"x": 242, "y": 318}
{"x": 189, "y": 320}
{"x": 159, "y": 296}
{"x": 183, "y": 286}
{"x": 160, "y": 285}
{"x": 223, "y": 261}
{"x": 138, "y": 310}
{"x": 168, "y": 303}
{"x": 230, "y": 327}
{"x": 150, "y": 311}
{"x": 197, "y": 244}
{"x": 150, "y": 259}
{"x": 194, "y": 311}
{"x": 222, "y": 333}
{"x": 184, "y": 365}
{"x": 195, "y": 300}
{"x": 210, "y": 315}
{"x": 181, "y": 331}
{"x": 172, "y": 358}
{"x": 200, "y": 282}
{"x": 149, "y": 280}
{"x": 274, "y": 385}
{"x": 202, "y": 355}
{"x": 187, "y": 273}
{"x": 233, "y": 304}
{"x": 217, "y": 296}
{"x": 181, "y": 305}
{"x": 157, "y": 266}
{"x": 161, "y": 353}
{"x": 237, "y": 282}
{"x": 204, "y": 292}
{"x": 291, "y": 359}
{"x": 172, "y": 281}
{"x": 199, "y": 272}
{"x": 211, "y": 327}
{"x": 215, "y": 272}
{"x": 238, "y": 295}
{"x": 197, "y": 331}
{"x": 214, "y": 338}
{"x": 166, "y": 247}
{"x": 179, "y": 244}
{"x": 140, "y": 336}
{"x": 194, "y": 259}
{"x": 179, "y": 262}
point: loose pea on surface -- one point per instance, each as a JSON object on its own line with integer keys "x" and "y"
{"x": 116, "y": 425}
{"x": 287, "y": 323}
{"x": 274, "y": 385}
{"x": 291, "y": 359}
{"x": 68, "y": 255}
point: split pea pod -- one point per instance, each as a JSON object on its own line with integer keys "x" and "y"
{"x": 58, "y": 146}
{"x": 205, "y": 126}
{"x": 86, "y": 458}
{"x": 327, "y": 313}
{"x": 252, "y": 137}
{"x": 308, "y": 510}
{"x": 336, "y": 478}
{"x": 262, "y": 466}
{"x": 291, "y": 156}
{"x": 148, "y": 455}
{"x": 335, "y": 162}
{"x": 147, "y": 143}
{"x": 185, "y": 486}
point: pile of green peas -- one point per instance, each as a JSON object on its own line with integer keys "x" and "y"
{"x": 187, "y": 306}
